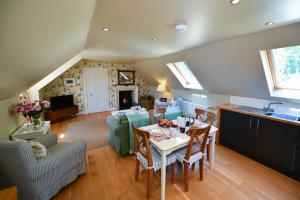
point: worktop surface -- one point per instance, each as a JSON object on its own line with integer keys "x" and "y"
{"x": 257, "y": 113}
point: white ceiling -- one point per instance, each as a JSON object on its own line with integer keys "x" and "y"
{"x": 133, "y": 24}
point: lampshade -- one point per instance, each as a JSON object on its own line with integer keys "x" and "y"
{"x": 161, "y": 88}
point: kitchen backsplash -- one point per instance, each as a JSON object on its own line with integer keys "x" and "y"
{"x": 57, "y": 87}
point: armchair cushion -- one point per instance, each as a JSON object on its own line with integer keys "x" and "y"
{"x": 58, "y": 155}
{"x": 38, "y": 149}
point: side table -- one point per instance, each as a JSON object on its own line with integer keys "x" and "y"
{"x": 147, "y": 103}
{"x": 9, "y": 193}
{"x": 29, "y": 131}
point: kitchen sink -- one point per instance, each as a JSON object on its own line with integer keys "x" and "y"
{"x": 283, "y": 116}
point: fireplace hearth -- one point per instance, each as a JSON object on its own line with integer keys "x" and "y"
{"x": 125, "y": 99}
{"x": 134, "y": 93}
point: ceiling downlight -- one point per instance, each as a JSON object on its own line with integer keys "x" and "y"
{"x": 235, "y": 2}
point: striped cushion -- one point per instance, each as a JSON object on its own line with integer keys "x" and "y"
{"x": 156, "y": 159}
{"x": 180, "y": 155}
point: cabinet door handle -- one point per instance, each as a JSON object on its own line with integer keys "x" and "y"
{"x": 250, "y": 124}
{"x": 257, "y": 126}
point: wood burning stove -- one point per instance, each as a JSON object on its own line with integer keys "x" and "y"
{"x": 125, "y": 100}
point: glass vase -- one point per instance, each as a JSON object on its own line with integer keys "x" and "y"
{"x": 36, "y": 121}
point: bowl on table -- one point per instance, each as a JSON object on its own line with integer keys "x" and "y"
{"x": 156, "y": 132}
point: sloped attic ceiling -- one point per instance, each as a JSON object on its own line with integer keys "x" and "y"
{"x": 133, "y": 23}
{"x": 36, "y": 37}
{"x": 231, "y": 67}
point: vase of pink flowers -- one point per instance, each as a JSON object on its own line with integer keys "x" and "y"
{"x": 32, "y": 111}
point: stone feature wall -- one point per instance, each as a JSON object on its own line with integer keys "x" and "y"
{"x": 57, "y": 87}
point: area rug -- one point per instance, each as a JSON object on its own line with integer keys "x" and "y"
{"x": 95, "y": 132}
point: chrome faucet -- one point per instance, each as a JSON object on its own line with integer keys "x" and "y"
{"x": 269, "y": 109}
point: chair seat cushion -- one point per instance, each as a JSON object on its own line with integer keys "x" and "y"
{"x": 180, "y": 155}
{"x": 171, "y": 158}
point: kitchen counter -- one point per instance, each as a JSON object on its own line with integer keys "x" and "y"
{"x": 256, "y": 112}
{"x": 270, "y": 140}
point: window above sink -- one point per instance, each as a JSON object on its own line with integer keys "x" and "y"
{"x": 282, "y": 70}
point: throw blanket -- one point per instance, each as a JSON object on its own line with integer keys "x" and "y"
{"x": 142, "y": 119}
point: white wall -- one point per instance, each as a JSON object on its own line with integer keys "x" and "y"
{"x": 211, "y": 99}
{"x": 8, "y": 123}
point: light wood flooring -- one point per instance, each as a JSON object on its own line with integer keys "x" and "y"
{"x": 234, "y": 177}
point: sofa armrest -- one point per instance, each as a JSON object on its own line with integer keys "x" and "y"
{"x": 47, "y": 140}
{"x": 58, "y": 154}
{"x": 122, "y": 132}
{"x": 113, "y": 123}
{"x": 123, "y": 127}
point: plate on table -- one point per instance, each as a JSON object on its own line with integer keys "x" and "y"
{"x": 156, "y": 132}
{"x": 165, "y": 123}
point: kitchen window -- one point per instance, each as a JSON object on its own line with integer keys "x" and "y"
{"x": 282, "y": 69}
{"x": 184, "y": 75}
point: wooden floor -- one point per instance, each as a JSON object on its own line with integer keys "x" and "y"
{"x": 234, "y": 177}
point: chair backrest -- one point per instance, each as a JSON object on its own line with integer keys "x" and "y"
{"x": 210, "y": 116}
{"x": 199, "y": 136}
{"x": 160, "y": 111}
{"x": 142, "y": 144}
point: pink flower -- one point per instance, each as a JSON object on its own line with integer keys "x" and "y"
{"x": 37, "y": 106}
{"x": 46, "y": 104}
{"x": 14, "y": 110}
{"x": 28, "y": 108}
{"x": 20, "y": 109}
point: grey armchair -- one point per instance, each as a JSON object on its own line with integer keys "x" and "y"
{"x": 42, "y": 178}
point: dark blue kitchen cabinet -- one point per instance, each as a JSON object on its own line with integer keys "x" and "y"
{"x": 296, "y": 166}
{"x": 273, "y": 143}
{"x": 236, "y": 130}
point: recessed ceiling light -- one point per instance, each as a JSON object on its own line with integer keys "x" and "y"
{"x": 235, "y": 2}
{"x": 105, "y": 29}
{"x": 270, "y": 23}
{"x": 180, "y": 28}
{"x": 154, "y": 39}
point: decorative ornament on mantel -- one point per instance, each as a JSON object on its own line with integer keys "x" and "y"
{"x": 31, "y": 111}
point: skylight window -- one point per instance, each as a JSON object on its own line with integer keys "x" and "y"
{"x": 285, "y": 64}
{"x": 184, "y": 75}
{"x": 282, "y": 68}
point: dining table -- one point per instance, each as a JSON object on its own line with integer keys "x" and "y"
{"x": 170, "y": 144}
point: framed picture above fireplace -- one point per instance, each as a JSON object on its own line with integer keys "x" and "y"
{"x": 126, "y": 77}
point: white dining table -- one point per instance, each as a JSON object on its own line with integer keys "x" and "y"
{"x": 169, "y": 145}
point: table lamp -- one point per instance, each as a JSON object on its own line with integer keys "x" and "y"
{"x": 161, "y": 88}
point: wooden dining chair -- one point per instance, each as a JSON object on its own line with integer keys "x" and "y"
{"x": 160, "y": 111}
{"x": 148, "y": 157}
{"x": 194, "y": 151}
{"x": 208, "y": 118}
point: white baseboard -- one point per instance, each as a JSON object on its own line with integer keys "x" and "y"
{"x": 112, "y": 109}
{"x": 82, "y": 113}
